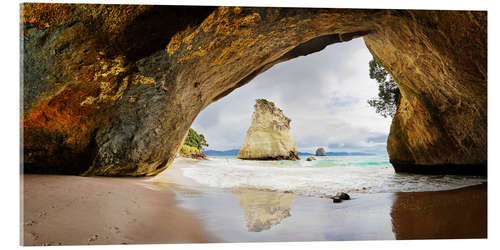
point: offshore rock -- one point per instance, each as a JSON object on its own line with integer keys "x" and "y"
{"x": 320, "y": 152}
{"x": 113, "y": 89}
{"x": 268, "y": 137}
{"x": 310, "y": 158}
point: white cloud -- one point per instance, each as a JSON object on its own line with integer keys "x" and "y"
{"x": 324, "y": 94}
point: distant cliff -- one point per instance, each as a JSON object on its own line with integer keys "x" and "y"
{"x": 268, "y": 137}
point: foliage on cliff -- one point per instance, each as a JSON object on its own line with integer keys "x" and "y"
{"x": 186, "y": 150}
{"x": 267, "y": 102}
{"x": 388, "y": 92}
{"x": 262, "y": 100}
{"x": 195, "y": 140}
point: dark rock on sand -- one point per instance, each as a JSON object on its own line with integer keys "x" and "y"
{"x": 343, "y": 196}
{"x": 336, "y": 199}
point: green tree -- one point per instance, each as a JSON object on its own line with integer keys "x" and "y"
{"x": 195, "y": 140}
{"x": 388, "y": 92}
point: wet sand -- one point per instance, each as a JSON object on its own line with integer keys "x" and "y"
{"x": 252, "y": 215}
{"x": 452, "y": 214}
{"x": 72, "y": 210}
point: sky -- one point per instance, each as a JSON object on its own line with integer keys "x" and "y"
{"x": 324, "y": 93}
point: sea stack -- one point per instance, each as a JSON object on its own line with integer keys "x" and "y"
{"x": 320, "y": 152}
{"x": 268, "y": 137}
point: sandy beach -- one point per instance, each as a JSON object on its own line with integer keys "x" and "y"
{"x": 72, "y": 210}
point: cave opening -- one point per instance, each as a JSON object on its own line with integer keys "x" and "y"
{"x": 143, "y": 92}
{"x": 324, "y": 94}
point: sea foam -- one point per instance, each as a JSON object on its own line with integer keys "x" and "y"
{"x": 323, "y": 177}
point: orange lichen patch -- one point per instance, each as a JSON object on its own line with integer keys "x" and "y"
{"x": 197, "y": 53}
{"x": 62, "y": 117}
{"x": 44, "y": 15}
{"x": 140, "y": 79}
{"x": 225, "y": 27}
{"x": 176, "y": 41}
{"x": 249, "y": 20}
{"x": 61, "y": 108}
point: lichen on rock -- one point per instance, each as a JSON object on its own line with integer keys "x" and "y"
{"x": 268, "y": 137}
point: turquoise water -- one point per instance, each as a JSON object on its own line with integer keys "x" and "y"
{"x": 323, "y": 177}
{"x": 322, "y": 161}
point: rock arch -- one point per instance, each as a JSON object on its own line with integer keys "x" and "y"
{"x": 112, "y": 89}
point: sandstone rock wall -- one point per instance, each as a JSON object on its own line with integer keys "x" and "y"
{"x": 112, "y": 89}
{"x": 438, "y": 59}
{"x": 268, "y": 137}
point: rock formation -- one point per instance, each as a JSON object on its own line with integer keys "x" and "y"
{"x": 198, "y": 156}
{"x": 268, "y": 137}
{"x": 310, "y": 158}
{"x": 320, "y": 152}
{"x": 112, "y": 89}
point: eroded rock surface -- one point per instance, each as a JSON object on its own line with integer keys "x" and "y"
{"x": 439, "y": 61}
{"x": 268, "y": 137}
{"x": 112, "y": 89}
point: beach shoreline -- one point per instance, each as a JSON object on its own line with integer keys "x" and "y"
{"x": 72, "y": 210}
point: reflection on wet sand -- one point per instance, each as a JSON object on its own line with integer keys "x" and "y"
{"x": 264, "y": 209}
{"x": 453, "y": 214}
{"x": 235, "y": 215}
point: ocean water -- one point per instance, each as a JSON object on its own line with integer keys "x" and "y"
{"x": 269, "y": 201}
{"x": 323, "y": 177}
